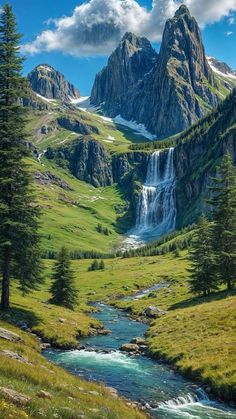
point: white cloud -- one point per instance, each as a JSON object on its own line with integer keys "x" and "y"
{"x": 229, "y": 33}
{"x": 96, "y": 26}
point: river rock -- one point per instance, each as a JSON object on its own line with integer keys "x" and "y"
{"x": 130, "y": 347}
{"x": 14, "y": 397}
{"x": 45, "y": 345}
{"x": 7, "y": 335}
{"x": 153, "y": 404}
{"x": 138, "y": 341}
{"x": 112, "y": 391}
{"x": 153, "y": 312}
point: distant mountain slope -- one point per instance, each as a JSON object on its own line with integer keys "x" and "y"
{"x": 179, "y": 89}
{"x": 51, "y": 84}
{"x": 221, "y": 68}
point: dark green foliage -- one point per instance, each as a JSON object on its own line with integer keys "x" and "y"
{"x": 102, "y": 265}
{"x": 96, "y": 266}
{"x": 223, "y": 204}
{"x": 64, "y": 292}
{"x": 203, "y": 277}
{"x": 103, "y": 230}
{"x": 19, "y": 240}
{"x": 178, "y": 240}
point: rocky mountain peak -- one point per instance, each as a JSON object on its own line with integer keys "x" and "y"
{"x": 167, "y": 92}
{"x": 51, "y": 84}
{"x": 131, "y": 60}
{"x": 182, "y": 10}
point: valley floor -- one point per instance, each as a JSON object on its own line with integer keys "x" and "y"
{"x": 197, "y": 335}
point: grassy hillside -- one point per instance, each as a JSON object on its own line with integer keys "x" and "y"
{"x": 51, "y": 392}
{"x": 116, "y": 138}
{"x": 70, "y": 217}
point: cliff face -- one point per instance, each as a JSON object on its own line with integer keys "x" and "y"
{"x": 51, "y": 84}
{"x": 168, "y": 92}
{"x": 179, "y": 89}
{"x": 132, "y": 59}
{"x": 89, "y": 161}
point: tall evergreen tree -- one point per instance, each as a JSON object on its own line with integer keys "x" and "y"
{"x": 19, "y": 240}
{"x": 223, "y": 204}
{"x": 203, "y": 278}
{"x": 63, "y": 289}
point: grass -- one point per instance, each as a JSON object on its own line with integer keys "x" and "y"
{"x": 71, "y": 217}
{"x": 201, "y": 341}
{"x": 196, "y": 334}
{"x": 115, "y": 138}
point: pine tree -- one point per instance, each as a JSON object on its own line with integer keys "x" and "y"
{"x": 19, "y": 240}
{"x": 102, "y": 265}
{"x": 223, "y": 204}
{"x": 63, "y": 289}
{"x": 203, "y": 278}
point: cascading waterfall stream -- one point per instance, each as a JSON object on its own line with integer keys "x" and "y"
{"x": 156, "y": 212}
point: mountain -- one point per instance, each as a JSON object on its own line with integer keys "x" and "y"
{"x": 132, "y": 59}
{"x": 221, "y": 68}
{"x": 51, "y": 84}
{"x": 179, "y": 89}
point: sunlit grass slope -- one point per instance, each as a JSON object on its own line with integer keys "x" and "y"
{"x": 71, "y": 217}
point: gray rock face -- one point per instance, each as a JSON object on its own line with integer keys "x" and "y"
{"x": 91, "y": 162}
{"x": 51, "y": 84}
{"x": 174, "y": 91}
{"x": 178, "y": 90}
{"x": 132, "y": 59}
{"x": 77, "y": 126}
{"x": 8, "y": 335}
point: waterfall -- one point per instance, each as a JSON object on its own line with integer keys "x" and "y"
{"x": 156, "y": 212}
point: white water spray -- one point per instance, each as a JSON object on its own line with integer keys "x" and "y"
{"x": 156, "y": 213}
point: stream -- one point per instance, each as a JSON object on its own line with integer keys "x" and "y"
{"x": 138, "y": 378}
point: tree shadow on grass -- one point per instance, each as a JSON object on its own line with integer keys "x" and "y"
{"x": 201, "y": 300}
{"x": 19, "y": 315}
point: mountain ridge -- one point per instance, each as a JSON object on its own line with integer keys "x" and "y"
{"x": 179, "y": 89}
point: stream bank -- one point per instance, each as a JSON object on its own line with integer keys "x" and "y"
{"x": 164, "y": 392}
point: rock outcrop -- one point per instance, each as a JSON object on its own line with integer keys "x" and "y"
{"x": 132, "y": 59}
{"x": 51, "y": 84}
{"x": 10, "y": 336}
{"x": 76, "y": 125}
{"x": 89, "y": 161}
{"x": 175, "y": 89}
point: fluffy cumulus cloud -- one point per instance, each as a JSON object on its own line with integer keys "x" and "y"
{"x": 96, "y": 26}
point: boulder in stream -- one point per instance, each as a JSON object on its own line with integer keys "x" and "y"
{"x": 153, "y": 312}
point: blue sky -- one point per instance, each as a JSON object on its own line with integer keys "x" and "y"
{"x": 33, "y": 15}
